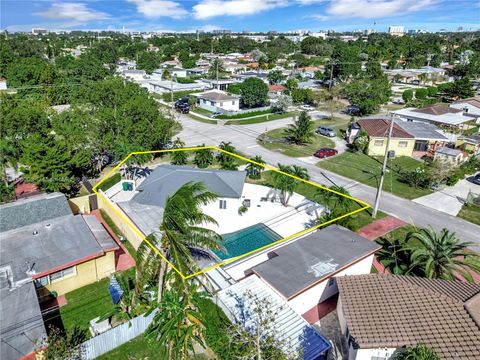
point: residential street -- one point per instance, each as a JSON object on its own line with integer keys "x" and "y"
{"x": 244, "y": 139}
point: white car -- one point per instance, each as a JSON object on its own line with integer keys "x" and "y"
{"x": 307, "y": 107}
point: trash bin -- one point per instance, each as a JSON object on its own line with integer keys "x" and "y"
{"x": 125, "y": 186}
{"x": 130, "y": 186}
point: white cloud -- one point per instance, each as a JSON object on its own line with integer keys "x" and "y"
{"x": 78, "y": 12}
{"x": 207, "y": 9}
{"x": 160, "y": 8}
{"x": 369, "y": 9}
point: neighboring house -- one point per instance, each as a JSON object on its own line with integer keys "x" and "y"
{"x": 303, "y": 272}
{"x": 309, "y": 84}
{"x": 453, "y": 157}
{"x": 290, "y": 329}
{"x": 219, "y": 85}
{"x": 218, "y": 101}
{"x": 425, "y": 73}
{"x": 440, "y": 115}
{"x": 45, "y": 248}
{"x": 380, "y": 314}
{"x": 470, "y": 106}
{"x": 134, "y": 75}
{"x": 470, "y": 143}
{"x": 275, "y": 90}
{"x": 165, "y": 86}
{"x": 427, "y": 137}
{"x": 197, "y": 71}
{"x": 401, "y": 141}
{"x": 178, "y": 72}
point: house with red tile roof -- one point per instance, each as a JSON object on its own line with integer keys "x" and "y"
{"x": 380, "y": 315}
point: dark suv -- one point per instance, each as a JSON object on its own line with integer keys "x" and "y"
{"x": 182, "y": 108}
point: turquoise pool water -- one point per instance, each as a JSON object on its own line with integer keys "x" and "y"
{"x": 245, "y": 240}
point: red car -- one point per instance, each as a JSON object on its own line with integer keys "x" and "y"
{"x": 325, "y": 152}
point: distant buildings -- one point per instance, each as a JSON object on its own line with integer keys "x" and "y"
{"x": 38, "y": 31}
{"x": 396, "y": 30}
{"x": 221, "y": 31}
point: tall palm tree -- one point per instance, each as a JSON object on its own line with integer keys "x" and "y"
{"x": 203, "y": 158}
{"x": 302, "y": 129}
{"x": 226, "y": 161}
{"x": 441, "y": 255}
{"x": 183, "y": 237}
{"x": 179, "y": 157}
{"x": 178, "y": 325}
{"x": 284, "y": 183}
{"x": 299, "y": 172}
{"x": 254, "y": 171}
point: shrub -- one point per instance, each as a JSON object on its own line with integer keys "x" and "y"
{"x": 407, "y": 95}
{"x": 421, "y": 93}
{"x": 432, "y": 91}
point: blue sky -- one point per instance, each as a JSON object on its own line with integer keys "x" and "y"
{"x": 238, "y": 15}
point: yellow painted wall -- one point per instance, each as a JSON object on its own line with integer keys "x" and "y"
{"x": 132, "y": 236}
{"x": 86, "y": 273}
{"x": 394, "y": 145}
{"x": 80, "y": 205}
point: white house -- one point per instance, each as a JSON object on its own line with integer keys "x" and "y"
{"x": 216, "y": 100}
{"x": 381, "y": 314}
{"x": 470, "y": 107}
{"x": 452, "y": 157}
{"x": 178, "y": 72}
{"x": 134, "y": 75}
{"x": 160, "y": 87}
{"x": 435, "y": 114}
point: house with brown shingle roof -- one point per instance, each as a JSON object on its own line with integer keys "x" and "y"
{"x": 381, "y": 314}
{"x": 439, "y": 114}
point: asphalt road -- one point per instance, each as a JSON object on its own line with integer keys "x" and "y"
{"x": 243, "y": 137}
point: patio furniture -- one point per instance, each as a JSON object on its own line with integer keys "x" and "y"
{"x": 96, "y": 328}
{"x": 247, "y": 202}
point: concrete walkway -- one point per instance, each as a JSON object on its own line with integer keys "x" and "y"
{"x": 451, "y": 199}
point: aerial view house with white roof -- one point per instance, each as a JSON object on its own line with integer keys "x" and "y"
{"x": 470, "y": 106}
{"x": 217, "y": 100}
{"x": 440, "y": 115}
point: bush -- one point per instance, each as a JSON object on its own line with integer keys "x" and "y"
{"x": 421, "y": 93}
{"x": 417, "y": 178}
{"x": 432, "y": 91}
{"x": 407, "y": 95}
{"x": 108, "y": 183}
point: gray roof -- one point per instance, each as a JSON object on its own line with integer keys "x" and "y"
{"x": 312, "y": 258}
{"x": 146, "y": 207}
{"x": 448, "y": 151}
{"x": 22, "y": 322}
{"x": 60, "y": 243}
{"x": 421, "y": 130}
{"x": 33, "y": 210}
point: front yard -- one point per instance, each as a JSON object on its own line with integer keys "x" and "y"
{"x": 367, "y": 170}
{"x": 293, "y": 150}
{"x": 470, "y": 213}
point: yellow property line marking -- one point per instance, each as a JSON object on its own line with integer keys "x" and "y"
{"x": 265, "y": 166}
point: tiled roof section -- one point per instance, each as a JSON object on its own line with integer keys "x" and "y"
{"x": 275, "y": 88}
{"x": 33, "y": 210}
{"x": 379, "y": 128}
{"x": 474, "y": 101}
{"x": 438, "y": 110}
{"x": 394, "y": 311}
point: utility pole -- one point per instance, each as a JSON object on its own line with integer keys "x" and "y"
{"x": 331, "y": 78}
{"x": 384, "y": 167}
{"x": 216, "y": 68}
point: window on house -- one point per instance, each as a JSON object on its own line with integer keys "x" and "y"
{"x": 378, "y": 143}
{"x": 223, "y": 204}
{"x": 233, "y": 102}
{"x": 212, "y": 103}
{"x": 204, "y": 101}
{"x": 62, "y": 274}
{"x": 43, "y": 281}
{"x": 402, "y": 144}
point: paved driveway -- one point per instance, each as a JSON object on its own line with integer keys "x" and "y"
{"x": 451, "y": 199}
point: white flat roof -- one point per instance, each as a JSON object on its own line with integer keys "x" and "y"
{"x": 448, "y": 119}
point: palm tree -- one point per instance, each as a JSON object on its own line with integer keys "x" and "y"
{"x": 203, "y": 158}
{"x": 8, "y": 157}
{"x": 284, "y": 183}
{"x": 302, "y": 129}
{"x": 254, "y": 171}
{"x": 183, "y": 237}
{"x": 179, "y": 157}
{"x": 216, "y": 69}
{"x": 299, "y": 172}
{"x": 226, "y": 161}
{"x": 441, "y": 255}
{"x": 178, "y": 324}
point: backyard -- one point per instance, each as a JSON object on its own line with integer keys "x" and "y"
{"x": 367, "y": 169}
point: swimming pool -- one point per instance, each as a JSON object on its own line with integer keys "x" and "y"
{"x": 245, "y": 240}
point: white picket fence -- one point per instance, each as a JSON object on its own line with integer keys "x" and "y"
{"x": 115, "y": 337}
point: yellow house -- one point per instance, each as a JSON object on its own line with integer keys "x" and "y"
{"x": 401, "y": 141}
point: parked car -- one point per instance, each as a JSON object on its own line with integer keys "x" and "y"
{"x": 182, "y": 108}
{"x": 325, "y": 152}
{"x": 167, "y": 146}
{"x": 215, "y": 114}
{"x": 307, "y": 107}
{"x": 181, "y": 101}
{"x": 326, "y": 131}
{"x": 352, "y": 110}
{"x": 475, "y": 179}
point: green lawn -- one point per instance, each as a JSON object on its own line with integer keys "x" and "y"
{"x": 260, "y": 119}
{"x": 198, "y": 118}
{"x": 86, "y": 303}
{"x": 367, "y": 169}
{"x": 201, "y": 111}
{"x": 293, "y": 150}
{"x": 470, "y": 213}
